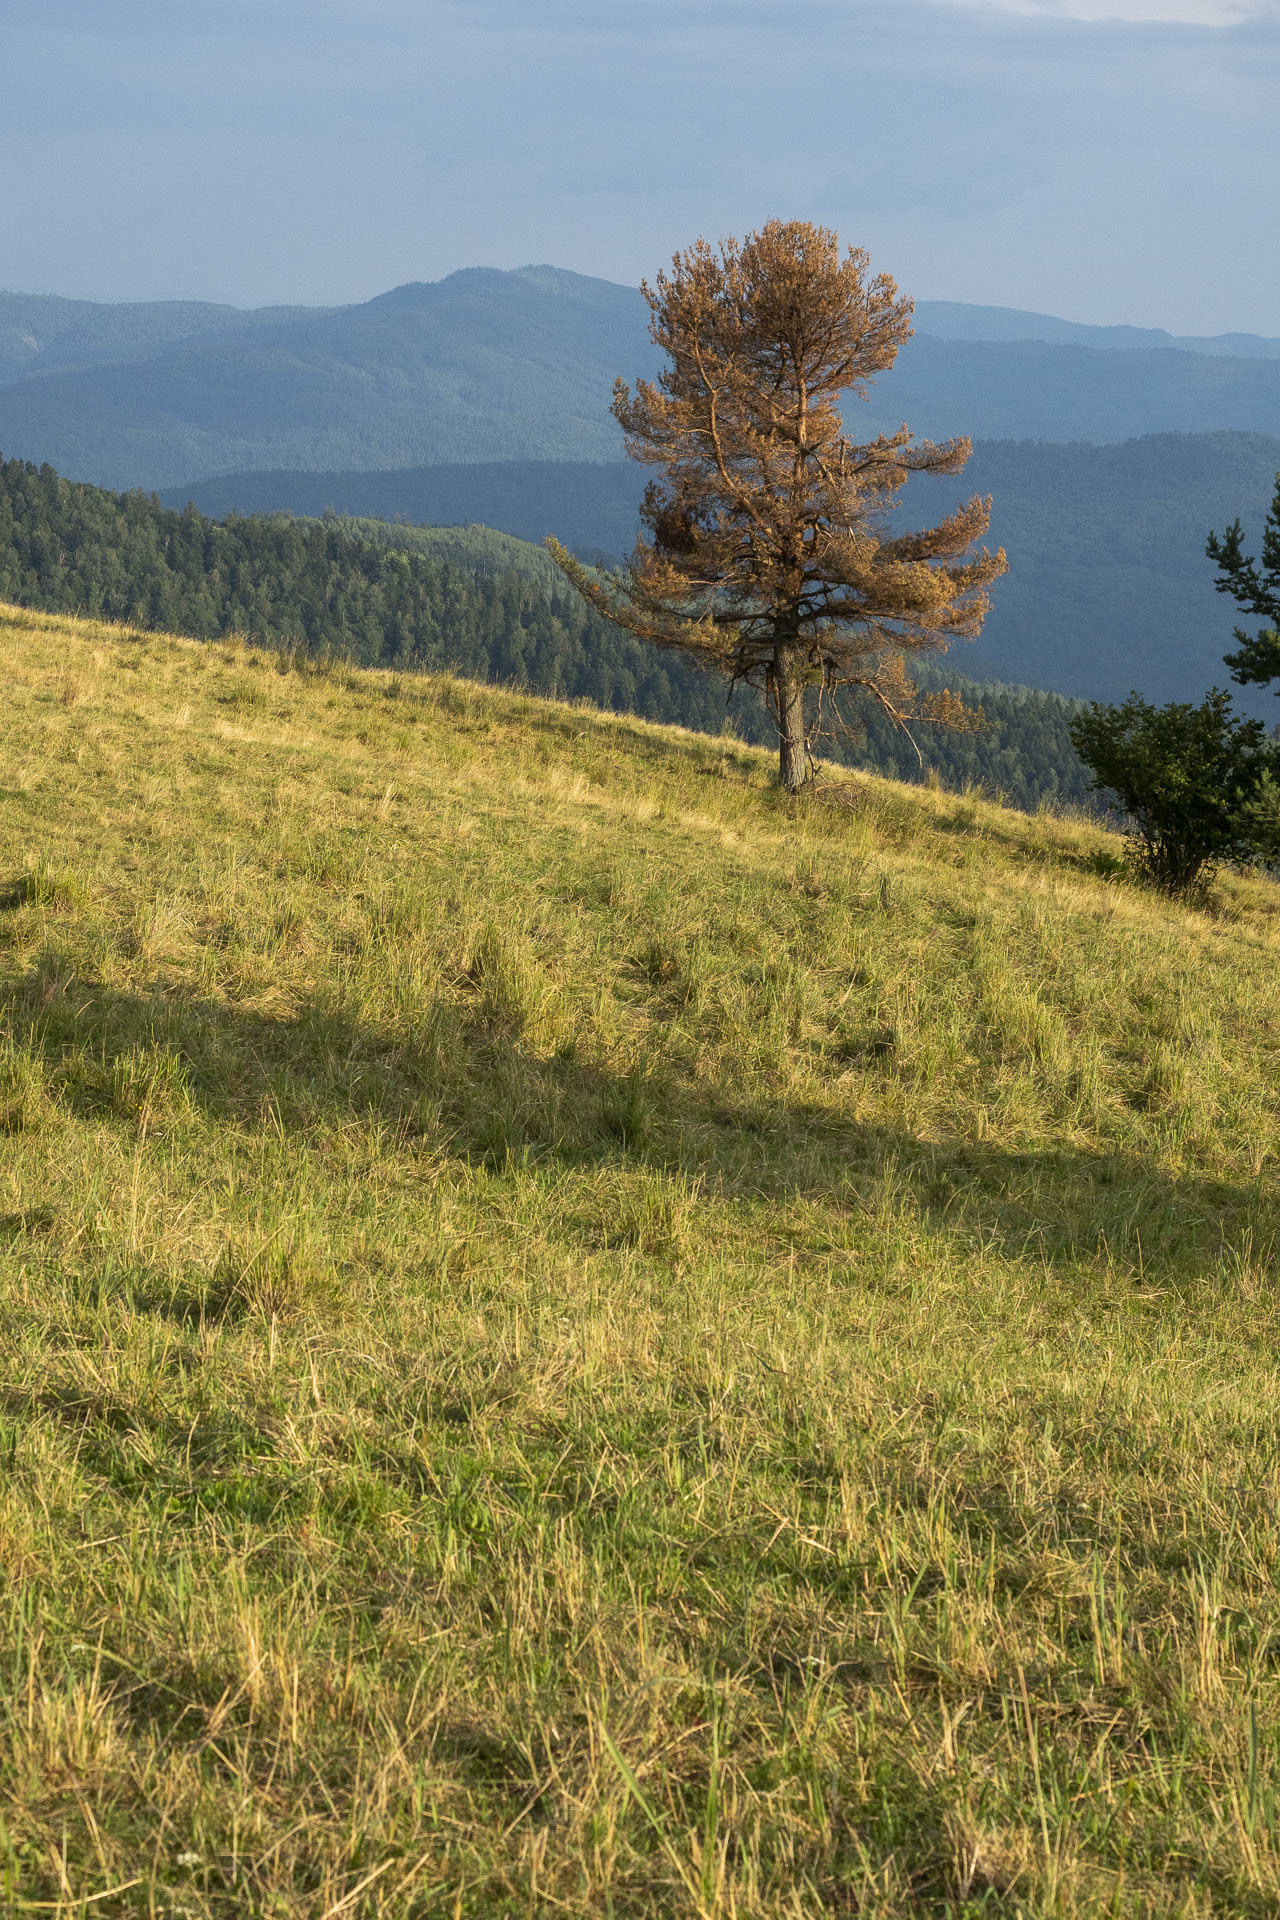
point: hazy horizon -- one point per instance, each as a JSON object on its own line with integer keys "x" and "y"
{"x": 537, "y": 266}
{"x": 1097, "y": 160}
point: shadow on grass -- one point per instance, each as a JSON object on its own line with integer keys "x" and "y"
{"x": 463, "y": 1084}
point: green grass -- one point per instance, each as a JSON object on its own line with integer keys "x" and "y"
{"x": 579, "y": 1340}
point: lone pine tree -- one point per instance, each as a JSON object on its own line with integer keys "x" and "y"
{"x": 763, "y": 550}
{"x": 1256, "y": 589}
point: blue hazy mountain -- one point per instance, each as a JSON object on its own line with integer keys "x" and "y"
{"x": 957, "y": 320}
{"x": 489, "y": 366}
{"x": 481, "y": 366}
{"x": 42, "y": 333}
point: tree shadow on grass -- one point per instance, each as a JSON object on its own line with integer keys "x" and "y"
{"x": 467, "y": 1085}
{"x": 463, "y": 1082}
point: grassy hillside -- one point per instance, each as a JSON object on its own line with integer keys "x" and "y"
{"x": 577, "y": 1340}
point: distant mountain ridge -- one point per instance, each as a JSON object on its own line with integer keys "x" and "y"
{"x": 484, "y": 397}
{"x": 959, "y": 320}
{"x": 485, "y": 365}
{"x": 44, "y": 333}
{"x": 490, "y": 366}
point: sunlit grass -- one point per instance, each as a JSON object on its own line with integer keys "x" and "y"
{"x": 579, "y": 1339}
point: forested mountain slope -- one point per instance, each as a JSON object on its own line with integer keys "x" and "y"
{"x": 1057, "y": 391}
{"x": 585, "y": 503}
{"x": 1108, "y": 587}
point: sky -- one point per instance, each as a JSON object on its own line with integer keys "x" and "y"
{"x": 1103, "y": 160}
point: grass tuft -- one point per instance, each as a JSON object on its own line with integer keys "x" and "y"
{"x": 44, "y": 885}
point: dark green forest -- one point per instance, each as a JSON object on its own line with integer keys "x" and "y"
{"x": 465, "y": 600}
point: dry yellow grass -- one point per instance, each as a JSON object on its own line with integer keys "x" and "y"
{"x": 579, "y": 1340}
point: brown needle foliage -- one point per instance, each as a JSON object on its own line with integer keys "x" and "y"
{"x": 764, "y": 550}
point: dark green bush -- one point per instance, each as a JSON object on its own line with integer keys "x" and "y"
{"x": 1196, "y": 785}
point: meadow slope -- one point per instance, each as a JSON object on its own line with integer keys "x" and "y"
{"x": 575, "y": 1339}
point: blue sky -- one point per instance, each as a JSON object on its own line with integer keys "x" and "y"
{"x": 1107, "y": 160}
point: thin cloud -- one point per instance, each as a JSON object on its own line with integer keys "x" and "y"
{"x": 1171, "y": 13}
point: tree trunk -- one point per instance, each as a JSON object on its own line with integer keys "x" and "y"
{"x": 793, "y": 760}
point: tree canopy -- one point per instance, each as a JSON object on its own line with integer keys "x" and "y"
{"x": 1256, "y": 589}
{"x": 1196, "y": 784}
{"x": 764, "y": 550}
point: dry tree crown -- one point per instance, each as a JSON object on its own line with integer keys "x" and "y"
{"x": 764, "y": 550}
